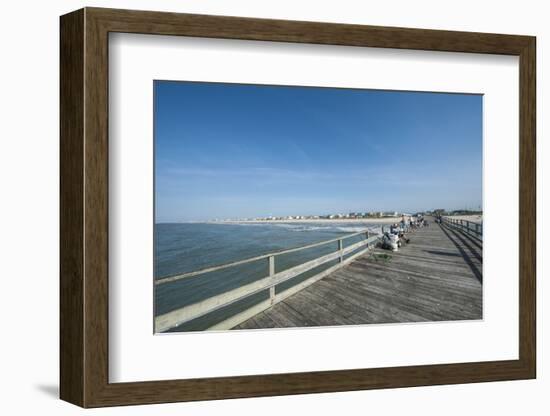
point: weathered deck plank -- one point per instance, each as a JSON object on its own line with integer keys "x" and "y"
{"x": 436, "y": 277}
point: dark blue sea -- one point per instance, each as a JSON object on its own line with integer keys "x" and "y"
{"x": 185, "y": 247}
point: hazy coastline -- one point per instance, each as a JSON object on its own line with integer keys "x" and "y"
{"x": 384, "y": 220}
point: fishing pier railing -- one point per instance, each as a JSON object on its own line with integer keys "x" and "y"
{"x": 475, "y": 229}
{"x": 203, "y": 307}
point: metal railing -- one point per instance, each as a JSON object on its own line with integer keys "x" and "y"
{"x": 198, "y": 309}
{"x": 473, "y": 228}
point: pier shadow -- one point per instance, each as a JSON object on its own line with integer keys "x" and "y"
{"x": 461, "y": 236}
{"x": 442, "y": 253}
{"x": 467, "y": 258}
{"x": 474, "y": 241}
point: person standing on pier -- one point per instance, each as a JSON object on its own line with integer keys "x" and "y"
{"x": 404, "y": 223}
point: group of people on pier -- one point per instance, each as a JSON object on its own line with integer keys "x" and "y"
{"x": 397, "y": 235}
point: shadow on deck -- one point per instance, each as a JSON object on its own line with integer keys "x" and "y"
{"x": 436, "y": 277}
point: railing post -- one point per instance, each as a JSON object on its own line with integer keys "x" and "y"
{"x": 271, "y": 273}
{"x": 341, "y": 248}
{"x": 367, "y": 237}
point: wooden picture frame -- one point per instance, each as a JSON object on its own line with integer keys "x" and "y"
{"x": 84, "y": 207}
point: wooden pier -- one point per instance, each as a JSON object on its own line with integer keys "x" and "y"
{"x": 436, "y": 277}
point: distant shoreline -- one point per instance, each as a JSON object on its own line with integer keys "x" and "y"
{"x": 384, "y": 220}
{"x": 312, "y": 221}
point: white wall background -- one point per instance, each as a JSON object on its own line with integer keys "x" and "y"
{"x": 29, "y": 208}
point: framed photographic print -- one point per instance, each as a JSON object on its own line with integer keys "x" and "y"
{"x": 255, "y": 207}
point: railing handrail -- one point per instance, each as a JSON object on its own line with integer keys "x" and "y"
{"x": 205, "y": 306}
{"x": 459, "y": 222}
{"x": 210, "y": 269}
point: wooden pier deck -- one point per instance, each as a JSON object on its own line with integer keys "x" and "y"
{"x": 436, "y": 277}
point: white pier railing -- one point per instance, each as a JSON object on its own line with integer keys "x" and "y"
{"x": 200, "y": 308}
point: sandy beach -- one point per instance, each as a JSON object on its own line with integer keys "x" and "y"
{"x": 471, "y": 218}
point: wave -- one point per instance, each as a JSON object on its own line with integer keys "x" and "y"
{"x": 332, "y": 228}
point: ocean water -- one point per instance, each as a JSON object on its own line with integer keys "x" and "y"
{"x": 185, "y": 247}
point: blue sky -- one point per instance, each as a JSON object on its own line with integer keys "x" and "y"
{"x": 232, "y": 150}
